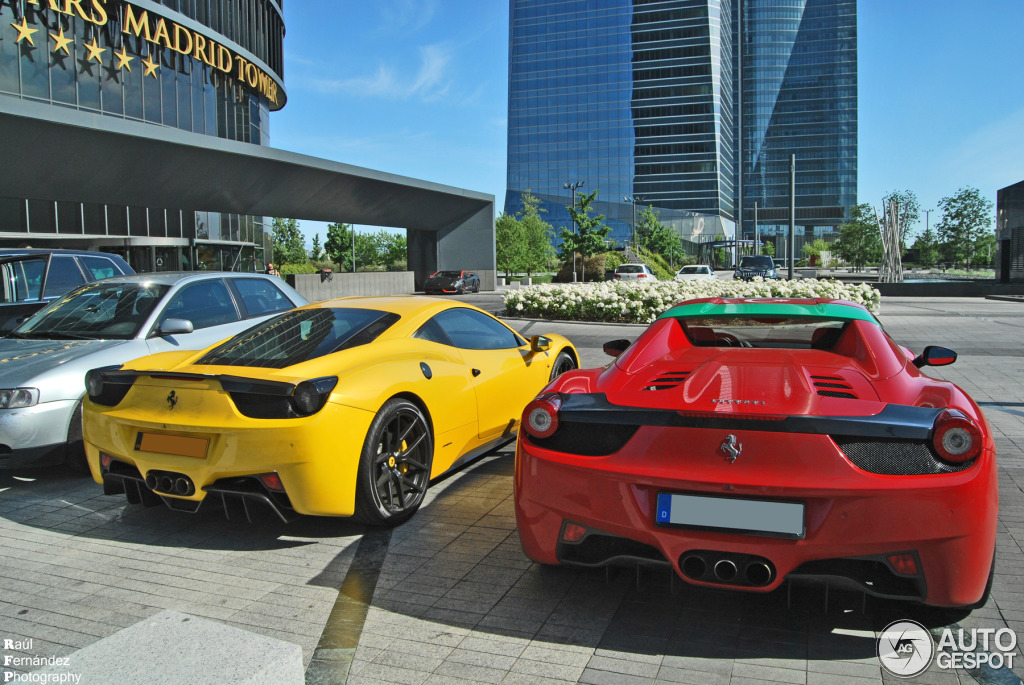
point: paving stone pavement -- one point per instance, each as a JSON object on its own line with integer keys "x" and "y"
{"x": 456, "y": 601}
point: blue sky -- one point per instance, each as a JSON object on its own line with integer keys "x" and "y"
{"x": 420, "y": 88}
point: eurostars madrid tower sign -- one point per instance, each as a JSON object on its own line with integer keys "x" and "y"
{"x": 157, "y": 31}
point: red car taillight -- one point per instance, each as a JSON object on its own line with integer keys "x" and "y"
{"x": 955, "y": 437}
{"x": 641, "y": 275}
{"x": 542, "y": 416}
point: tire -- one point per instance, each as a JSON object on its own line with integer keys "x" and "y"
{"x": 74, "y": 457}
{"x": 563, "y": 362}
{"x": 394, "y": 466}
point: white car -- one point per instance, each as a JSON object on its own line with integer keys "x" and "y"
{"x": 696, "y": 272}
{"x": 43, "y": 362}
{"x": 634, "y": 272}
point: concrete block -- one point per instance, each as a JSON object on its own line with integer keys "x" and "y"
{"x": 172, "y": 647}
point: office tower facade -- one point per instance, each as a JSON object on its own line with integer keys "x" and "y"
{"x": 210, "y": 67}
{"x": 655, "y": 100}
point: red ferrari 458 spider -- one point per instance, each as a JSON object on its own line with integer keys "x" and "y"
{"x": 743, "y": 442}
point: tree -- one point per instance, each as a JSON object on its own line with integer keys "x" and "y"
{"x": 654, "y": 236}
{"x": 534, "y": 235}
{"x": 909, "y": 211}
{"x": 316, "y": 252}
{"x": 859, "y": 241}
{"x": 339, "y": 245}
{"x": 927, "y": 246}
{"x": 289, "y": 245}
{"x": 985, "y": 250}
{"x": 813, "y": 250}
{"x": 966, "y": 217}
{"x": 507, "y": 244}
{"x": 589, "y": 240}
{"x": 392, "y": 250}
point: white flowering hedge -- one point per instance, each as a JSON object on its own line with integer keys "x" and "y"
{"x": 639, "y": 302}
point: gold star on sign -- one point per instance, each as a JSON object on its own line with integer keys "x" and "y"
{"x": 150, "y": 66}
{"x": 123, "y": 59}
{"x": 61, "y": 41}
{"x": 24, "y": 32}
{"x": 95, "y": 51}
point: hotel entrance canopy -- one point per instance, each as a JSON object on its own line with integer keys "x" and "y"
{"x": 54, "y": 154}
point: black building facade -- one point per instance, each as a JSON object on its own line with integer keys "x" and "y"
{"x": 1010, "y": 234}
{"x": 210, "y": 67}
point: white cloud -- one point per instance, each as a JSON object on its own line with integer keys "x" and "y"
{"x": 406, "y": 16}
{"x": 429, "y": 83}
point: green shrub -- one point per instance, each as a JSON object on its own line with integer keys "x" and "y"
{"x": 658, "y": 265}
{"x": 297, "y": 268}
{"x": 591, "y": 269}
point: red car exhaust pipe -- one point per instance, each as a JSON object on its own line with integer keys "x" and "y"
{"x": 758, "y": 573}
{"x": 725, "y": 570}
{"x": 694, "y": 567}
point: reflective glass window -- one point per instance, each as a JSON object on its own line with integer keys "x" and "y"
{"x": 473, "y": 330}
{"x": 260, "y": 296}
{"x": 205, "y": 303}
{"x": 63, "y": 275}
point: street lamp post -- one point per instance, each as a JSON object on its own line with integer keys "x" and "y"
{"x": 633, "y": 200}
{"x": 757, "y": 233}
{"x": 572, "y": 188}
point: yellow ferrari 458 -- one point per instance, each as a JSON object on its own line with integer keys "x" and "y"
{"x": 341, "y": 408}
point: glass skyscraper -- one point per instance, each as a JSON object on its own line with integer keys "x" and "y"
{"x": 643, "y": 99}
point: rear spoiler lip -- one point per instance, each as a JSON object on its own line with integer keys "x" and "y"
{"x": 895, "y": 421}
{"x": 230, "y": 383}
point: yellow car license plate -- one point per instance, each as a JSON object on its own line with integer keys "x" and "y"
{"x": 178, "y": 445}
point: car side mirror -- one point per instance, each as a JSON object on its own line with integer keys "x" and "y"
{"x": 935, "y": 356}
{"x": 539, "y": 343}
{"x": 175, "y": 327}
{"x": 614, "y": 348}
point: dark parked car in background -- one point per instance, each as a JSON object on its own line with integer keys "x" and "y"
{"x": 755, "y": 265}
{"x": 31, "y": 279}
{"x": 458, "y": 282}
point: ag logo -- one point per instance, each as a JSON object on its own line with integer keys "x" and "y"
{"x": 172, "y": 400}
{"x": 905, "y": 649}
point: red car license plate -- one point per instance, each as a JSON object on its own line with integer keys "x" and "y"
{"x": 750, "y": 516}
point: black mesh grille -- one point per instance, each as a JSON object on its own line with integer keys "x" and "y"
{"x": 586, "y": 439}
{"x": 598, "y": 550}
{"x": 670, "y": 380}
{"x": 836, "y": 393}
{"x": 873, "y": 576}
{"x": 839, "y": 388}
{"x": 895, "y": 457}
